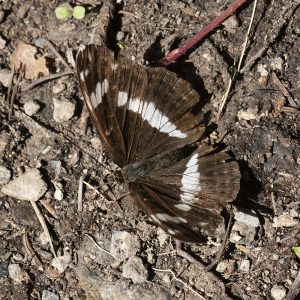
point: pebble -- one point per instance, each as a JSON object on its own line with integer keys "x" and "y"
{"x": 278, "y": 292}
{"x": 135, "y": 270}
{"x": 2, "y": 43}
{"x": 63, "y": 110}
{"x": 285, "y": 220}
{"x": 4, "y": 175}
{"x": 5, "y": 77}
{"x": 4, "y": 139}
{"x": 61, "y": 262}
{"x": 245, "y": 266}
{"x": 17, "y": 274}
{"x": 58, "y": 88}
{"x": 31, "y": 108}
{"x": 231, "y": 24}
{"x": 47, "y": 295}
{"x": 2, "y": 14}
{"x": 248, "y": 218}
{"x": 123, "y": 245}
{"x": 28, "y": 186}
{"x": 58, "y": 194}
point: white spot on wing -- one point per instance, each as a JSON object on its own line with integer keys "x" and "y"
{"x": 183, "y": 206}
{"x": 148, "y": 112}
{"x": 114, "y": 66}
{"x": 122, "y": 98}
{"x": 171, "y": 219}
{"x": 81, "y": 76}
{"x": 134, "y": 104}
{"x": 190, "y": 180}
{"x": 104, "y": 87}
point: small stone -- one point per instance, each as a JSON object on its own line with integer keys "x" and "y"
{"x": 231, "y": 24}
{"x": 248, "y": 218}
{"x": 61, "y": 262}
{"x": 58, "y": 88}
{"x": 44, "y": 238}
{"x": 285, "y": 220}
{"x": 28, "y": 186}
{"x": 96, "y": 143}
{"x": 31, "y": 108}
{"x": 5, "y": 77}
{"x": 135, "y": 270}
{"x": 63, "y": 110}
{"x": 49, "y": 295}
{"x": 162, "y": 237}
{"x": 278, "y": 292}
{"x": 123, "y": 245}
{"x": 58, "y": 194}
{"x": 2, "y": 14}
{"x": 277, "y": 63}
{"x": 4, "y": 175}
{"x": 17, "y": 274}
{"x": 245, "y": 266}
{"x": 4, "y": 139}
{"x": 178, "y": 21}
{"x": 249, "y": 114}
{"x": 226, "y": 266}
{"x": 2, "y": 43}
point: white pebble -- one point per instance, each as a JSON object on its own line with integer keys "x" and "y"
{"x": 245, "y": 266}
{"x": 248, "y": 218}
{"x": 63, "y": 110}
{"x": 5, "y": 77}
{"x": 61, "y": 262}
{"x": 31, "y": 108}
{"x": 135, "y": 270}
{"x": 17, "y": 274}
{"x": 49, "y": 295}
{"x": 28, "y": 186}
{"x": 4, "y": 175}
{"x": 278, "y": 292}
{"x": 123, "y": 245}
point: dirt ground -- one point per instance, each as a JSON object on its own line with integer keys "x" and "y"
{"x": 110, "y": 249}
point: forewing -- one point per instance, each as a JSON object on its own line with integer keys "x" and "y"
{"x": 137, "y": 111}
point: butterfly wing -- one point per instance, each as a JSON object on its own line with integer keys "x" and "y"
{"x": 138, "y": 112}
{"x": 190, "y": 193}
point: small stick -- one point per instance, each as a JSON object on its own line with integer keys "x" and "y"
{"x": 102, "y": 249}
{"x": 46, "y": 78}
{"x": 224, "y": 243}
{"x": 294, "y": 290}
{"x": 80, "y": 192}
{"x": 283, "y": 89}
{"x": 15, "y": 91}
{"x": 175, "y": 54}
{"x": 58, "y": 54}
{"x": 180, "y": 280}
{"x": 44, "y": 225}
{"x": 83, "y": 123}
{"x": 232, "y": 79}
{"x": 290, "y": 10}
{"x": 29, "y": 250}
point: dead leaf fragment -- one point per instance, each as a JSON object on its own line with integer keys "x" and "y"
{"x": 24, "y": 54}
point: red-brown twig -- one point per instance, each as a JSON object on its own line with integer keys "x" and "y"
{"x": 173, "y": 55}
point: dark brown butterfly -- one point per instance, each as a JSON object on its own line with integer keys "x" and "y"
{"x": 145, "y": 120}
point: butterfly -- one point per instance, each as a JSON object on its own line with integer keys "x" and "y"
{"x": 148, "y": 125}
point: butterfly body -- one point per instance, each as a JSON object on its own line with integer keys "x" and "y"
{"x": 147, "y": 123}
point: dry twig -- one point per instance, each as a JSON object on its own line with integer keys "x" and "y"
{"x": 180, "y": 280}
{"x": 43, "y": 224}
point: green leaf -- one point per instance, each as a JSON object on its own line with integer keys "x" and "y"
{"x": 61, "y": 13}
{"x": 79, "y": 12}
{"x": 297, "y": 251}
{"x": 120, "y": 45}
